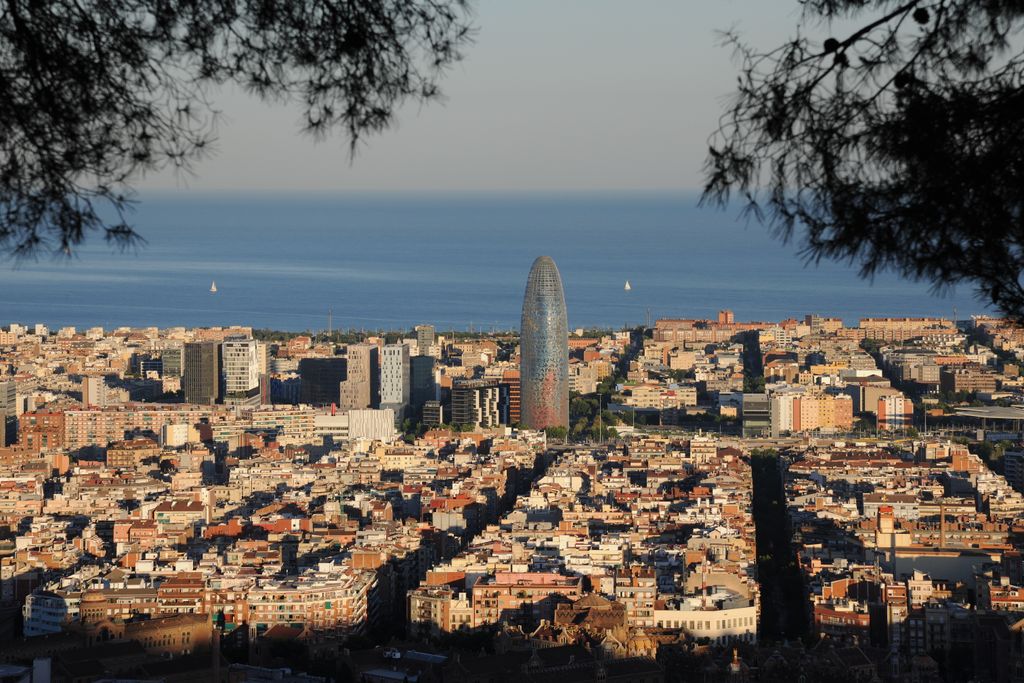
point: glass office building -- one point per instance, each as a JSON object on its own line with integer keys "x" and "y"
{"x": 544, "y": 349}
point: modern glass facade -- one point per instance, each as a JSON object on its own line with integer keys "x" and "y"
{"x": 544, "y": 349}
{"x": 321, "y": 379}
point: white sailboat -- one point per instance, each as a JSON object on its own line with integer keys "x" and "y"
{"x": 213, "y": 287}
{"x": 627, "y": 287}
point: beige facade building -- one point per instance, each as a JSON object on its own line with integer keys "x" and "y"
{"x": 361, "y": 388}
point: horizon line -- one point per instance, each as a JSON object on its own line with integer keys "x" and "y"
{"x": 426, "y": 193}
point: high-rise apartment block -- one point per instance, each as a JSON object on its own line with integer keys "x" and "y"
{"x": 201, "y": 372}
{"x": 241, "y": 362}
{"x": 510, "y": 380}
{"x": 361, "y": 388}
{"x": 478, "y": 403}
{"x": 321, "y": 380}
{"x": 171, "y": 365}
{"x": 895, "y": 412}
{"x": 423, "y": 386}
{"x": 395, "y": 380}
{"x": 544, "y": 342}
{"x": 433, "y": 413}
{"x": 8, "y": 412}
{"x": 94, "y": 392}
{"x": 424, "y": 339}
{"x": 263, "y": 357}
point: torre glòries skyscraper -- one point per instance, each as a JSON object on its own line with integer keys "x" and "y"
{"x": 544, "y": 349}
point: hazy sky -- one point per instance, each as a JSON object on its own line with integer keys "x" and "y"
{"x": 554, "y": 95}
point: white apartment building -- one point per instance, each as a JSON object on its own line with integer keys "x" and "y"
{"x": 395, "y": 386}
{"x": 241, "y": 363}
{"x": 895, "y": 412}
{"x": 45, "y": 612}
{"x": 96, "y": 393}
{"x": 718, "y": 625}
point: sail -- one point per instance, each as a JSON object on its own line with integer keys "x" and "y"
{"x": 627, "y": 287}
{"x": 213, "y": 287}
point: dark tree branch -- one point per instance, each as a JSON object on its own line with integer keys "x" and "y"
{"x": 95, "y": 93}
{"x": 899, "y": 146}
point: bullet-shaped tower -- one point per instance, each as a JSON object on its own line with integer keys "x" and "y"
{"x": 544, "y": 349}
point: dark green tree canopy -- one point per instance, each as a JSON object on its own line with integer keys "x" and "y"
{"x": 898, "y": 143}
{"x": 94, "y": 93}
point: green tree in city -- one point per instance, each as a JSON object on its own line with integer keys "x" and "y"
{"x": 753, "y": 384}
{"x": 556, "y": 433}
{"x": 991, "y": 454}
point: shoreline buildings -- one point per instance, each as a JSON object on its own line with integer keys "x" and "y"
{"x": 544, "y": 364}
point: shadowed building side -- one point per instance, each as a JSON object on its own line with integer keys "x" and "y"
{"x": 201, "y": 378}
{"x": 321, "y": 378}
{"x": 544, "y": 349}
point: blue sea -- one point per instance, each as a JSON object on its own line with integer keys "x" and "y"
{"x": 456, "y": 261}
